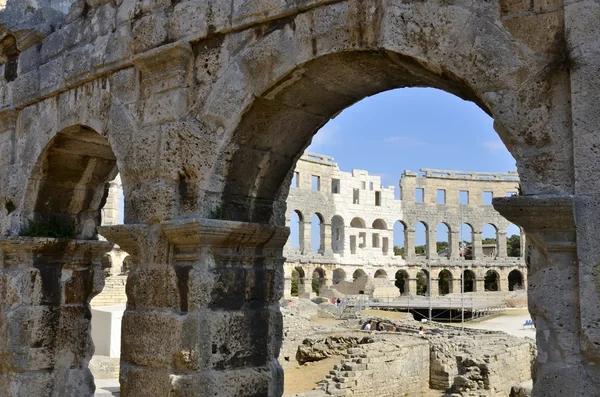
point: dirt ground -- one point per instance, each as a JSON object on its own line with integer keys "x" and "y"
{"x": 304, "y": 378}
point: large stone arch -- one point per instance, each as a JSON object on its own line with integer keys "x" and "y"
{"x": 344, "y": 67}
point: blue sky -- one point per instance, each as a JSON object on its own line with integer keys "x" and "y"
{"x": 409, "y": 129}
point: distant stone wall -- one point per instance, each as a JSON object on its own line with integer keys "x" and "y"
{"x": 113, "y": 292}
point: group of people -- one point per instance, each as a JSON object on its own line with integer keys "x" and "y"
{"x": 368, "y": 326}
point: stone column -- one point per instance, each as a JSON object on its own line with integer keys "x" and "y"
{"x": 304, "y": 286}
{"x": 502, "y": 282}
{"x": 434, "y": 287}
{"x": 523, "y": 244}
{"x": 477, "y": 245}
{"x": 431, "y": 243}
{"x": 456, "y": 285}
{"x": 305, "y": 237}
{"x": 479, "y": 284}
{"x": 454, "y": 243}
{"x": 287, "y": 288}
{"x": 565, "y": 360}
{"x": 412, "y": 286}
{"x": 326, "y": 239}
{"x": 202, "y": 313}
{"x": 409, "y": 244}
{"x": 502, "y": 248}
{"x": 45, "y": 317}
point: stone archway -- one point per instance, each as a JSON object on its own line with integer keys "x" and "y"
{"x": 225, "y": 101}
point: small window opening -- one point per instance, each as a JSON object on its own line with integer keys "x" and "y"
{"x": 362, "y": 240}
{"x": 356, "y": 196}
{"x": 378, "y": 199}
{"x": 363, "y": 185}
{"x": 441, "y": 196}
{"x": 370, "y": 185}
{"x": 316, "y": 183}
{"x": 487, "y": 198}
{"x": 296, "y": 179}
{"x": 463, "y": 197}
{"x": 420, "y": 195}
{"x": 375, "y": 240}
{"x": 335, "y": 186}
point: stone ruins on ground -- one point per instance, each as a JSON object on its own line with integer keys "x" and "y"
{"x": 203, "y": 107}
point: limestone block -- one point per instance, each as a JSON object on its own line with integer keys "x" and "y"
{"x": 149, "y": 32}
{"x": 52, "y": 74}
{"x": 25, "y": 87}
{"x": 198, "y": 18}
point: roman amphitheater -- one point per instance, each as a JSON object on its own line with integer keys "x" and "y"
{"x": 356, "y": 217}
{"x": 203, "y": 107}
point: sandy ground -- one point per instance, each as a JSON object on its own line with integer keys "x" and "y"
{"x": 510, "y": 321}
{"x": 304, "y": 378}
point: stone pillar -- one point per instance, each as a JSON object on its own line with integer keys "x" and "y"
{"x": 502, "y": 282}
{"x": 202, "y": 313}
{"x": 431, "y": 243}
{"x": 523, "y": 244}
{"x": 305, "y": 237}
{"x": 287, "y": 288}
{"x": 566, "y": 361}
{"x": 412, "y": 286}
{"x": 456, "y": 286}
{"x": 110, "y": 211}
{"x": 434, "y": 287}
{"x": 502, "y": 248}
{"x": 409, "y": 243}
{"x": 45, "y": 317}
{"x": 479, "y": 284}
{"x": 326, "y": 249}
{"x": 477, "y": 245}
{"x": 454, "y": 243}
{"x": 304, "y": 286}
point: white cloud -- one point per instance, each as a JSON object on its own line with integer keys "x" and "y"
{"x": 494, "y": 146}
{"x": 404, "y": 140}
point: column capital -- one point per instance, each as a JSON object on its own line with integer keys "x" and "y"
{"x": 23, "y": 251}
{"x": 149, "y": 244}
{"x": 549, "y": 219}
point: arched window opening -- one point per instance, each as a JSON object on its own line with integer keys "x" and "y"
{"x": 465, "y": 238}
{"x": 445, "y": 282}
{"x": 381, "y": 274}
{"x": 421, "y": 239}
{"x": 399, "y": 238}
{"x": 490, "y": 241}
{"x": 513, "y": 241}
{"x": 469, "y": 281}
{"x": 295, "y": 230}
{"x": 442, "y": 240}
{"x": 69, "y": 185}
{"x": 339, "y": 275}
{"x": 317, "y": 236}
{"x": 402, "y": 282}
{"x": 358, "y": 273}
{"x": 337, "y": 234}
{"x": 515, "y": 280}
{"x": 318, "y": 280}
{"x": 492, "y": 281}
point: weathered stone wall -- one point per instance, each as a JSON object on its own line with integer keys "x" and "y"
{"x": 398, "y": 366}
{"x": 205, "y": 106}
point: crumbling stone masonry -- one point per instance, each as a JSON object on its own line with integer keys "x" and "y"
{"x": 204, "y": 106}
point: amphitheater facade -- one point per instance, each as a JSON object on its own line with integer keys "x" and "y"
{"x": 357, "y": 215}
{"x": 203, "y": 107}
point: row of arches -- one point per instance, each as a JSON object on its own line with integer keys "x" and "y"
{"x": 489, "y": 242}
{"x": 445, "y": 280}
